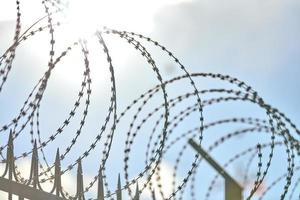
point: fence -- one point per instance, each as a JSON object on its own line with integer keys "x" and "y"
{"x": 32, "y": 189}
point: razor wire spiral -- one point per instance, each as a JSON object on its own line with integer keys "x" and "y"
{"x": 166, "y": 119}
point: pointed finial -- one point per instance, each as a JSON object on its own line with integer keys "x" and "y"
{"x": 34, "y": 151}
{"x": 57, "y": 175}
{"x": 34, "y": 170}
{"x": 79, "y": 169}
{"x": 80, "y": 190}
{"x": 100, "y": 195}
{"x": 137, "y": 193}
{"x": 10, "y": 139}
{"x": 119, "y": 190}
{"x": 57, "y": 158}
{"x": 153, "y": 195}
{"x": 119, "y": 181}
{"x": 10, "y": 159}
{"x": 34, "y": 158}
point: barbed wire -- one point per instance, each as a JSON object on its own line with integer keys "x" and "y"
{"x": 167, "y": 118}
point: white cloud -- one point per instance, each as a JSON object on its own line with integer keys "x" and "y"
{"x": 166, "y": 178}
{"x": 245, "y": 34}
{"x": 68, "y": 180}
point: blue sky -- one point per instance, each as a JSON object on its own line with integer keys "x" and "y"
{"x": 255, "y": 41}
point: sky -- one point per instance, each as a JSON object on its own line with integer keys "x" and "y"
{"x": 254, "y": 41}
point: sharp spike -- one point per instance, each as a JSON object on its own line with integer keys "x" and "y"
{"x": 57, "y": 175}
{"x": 153, "y": 195}
{"x": 57, "y": 159}
{"x": 10, "y": 139}
{"x": 79, "y": 169}
{"x": 100, "y": 195}
{"x": 10, "y": 165}
{"x": 34, "y": 151}
{"x": 35, "y": 143}
{"x": 80, "y": 191}
{"x": 137, "y": 193}
{"x": 57, "y": 163}
{"x": 119, "y": 182}
{"x": 34, "y": 174}
{"x": 119, "y": 190}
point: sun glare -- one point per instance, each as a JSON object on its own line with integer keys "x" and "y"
{"x": 86, "y": 16}
{"x": 82, "y": 18}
